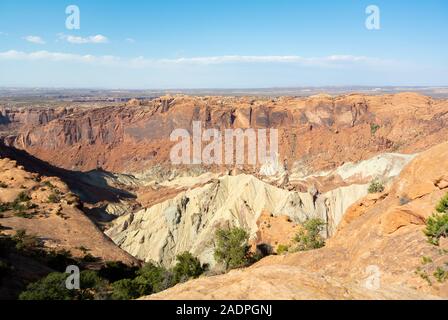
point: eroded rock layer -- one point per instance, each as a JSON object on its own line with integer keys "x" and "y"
{"x": 188, "y": 221}
{"x": 376, "y": 253}
{"x": 315, "y": 133}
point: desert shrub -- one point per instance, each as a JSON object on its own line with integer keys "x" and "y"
{"x": 442, "y": 206}
{"x": 436, "y": 227}
{"x": 20, "y": 204}
{"x": 4, "y": 207}
{"x": 22, "y": 214}
{"x": 3, "y": 185}
{"x": 53, "y": 287}
{"x": 22, "y": 197}
{"x": 426, "y": 260}
{"x": 309, "y": 236}
{"x": 26, "y": 242}
{"x": 127, "y": 289}
{"x": 53, "y": 198}
{"x": 48, "y": 184}
{"x": 376, "y": 186}
{"x": 440, "y": 274}
{"x": 157, "y": 276}
{"x": 91, "y": 286}
{"x": 117, "y": 270}
{"x": 282, "y": 249}
{"x": 232, "y": 248}
{"x": 374, "y": 128}
{"x": 187, "y": 267}
{"x": 17, "y": 206}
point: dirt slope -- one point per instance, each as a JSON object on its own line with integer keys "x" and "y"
{"x": 51, "y": 212}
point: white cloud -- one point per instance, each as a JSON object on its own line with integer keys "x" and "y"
{"x": 34, "y": 39}
{"x": 56, "y": 57}
{"x": 130, "y": 40}
{"x": 265, "y": 59}
{"x": 83, "y": 40}
{"x": 141, "y": 62}
{"x": 3, "y": 33}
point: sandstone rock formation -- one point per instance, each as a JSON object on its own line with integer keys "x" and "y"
{"x": 188, "y": 221}
{"x": 375, "y": 254}
{"x": 321, "y": 132}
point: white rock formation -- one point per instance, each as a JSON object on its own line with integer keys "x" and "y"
{"x": 383, "y": 165}
{"x": 189, "y": 221}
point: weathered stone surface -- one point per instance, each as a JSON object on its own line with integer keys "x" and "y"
{"x": 188, "y": 221}
{"x": 135, "y": 137}
{"x": 383, "y": 239}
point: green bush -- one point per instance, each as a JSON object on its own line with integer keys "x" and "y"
{"x": 376, "y": 186}
{"x": 187, "y": 267}
{"x": 127, "y": 289}
{"x": 442, "y": 206}
{"x": 22, "y": 197}
{"x": 91, "y": 286}
{"x": 18, "y": 204}
{"x": 426, "y": 260}
{"x": 282, "y": 249}
{"x": 48, "y": 184}
{"x": 374, "y": 128}
{"x": 308, "y": 237}
{"x": 436, "y": 227}
{"x": 157, "y": 276}
{"x": 440, "y": 274}
{"x": 25, "y": 215}
{"x": 26, "y": 242}
{"x": 53, "y": 287}
{"x": 53, "y": 198}
{"x": 232, "y": 248}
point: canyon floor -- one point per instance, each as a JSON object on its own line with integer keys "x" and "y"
{"x": 100, "y": 179}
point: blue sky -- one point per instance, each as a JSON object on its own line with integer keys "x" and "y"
{"x": 223, "y": 44}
